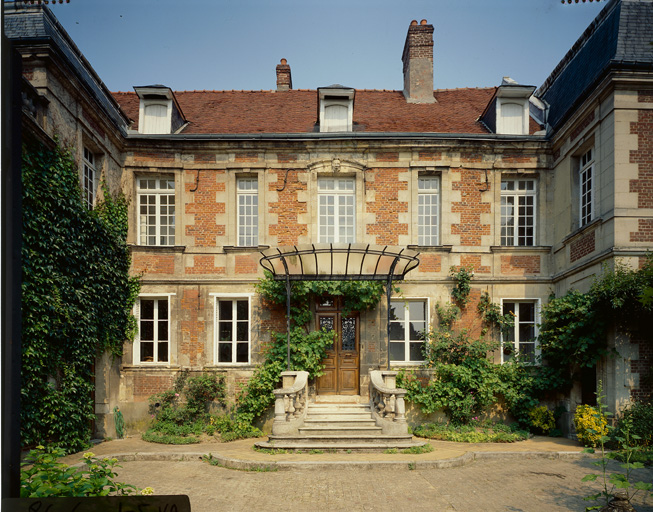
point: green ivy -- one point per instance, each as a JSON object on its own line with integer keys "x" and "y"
{"x": 307, "y": 348}
{"x": 462, "y": 288}
{"x": 77, "y": 297}
{"x": 491, "y": 314}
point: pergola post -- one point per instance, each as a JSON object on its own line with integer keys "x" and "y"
{"x": 388, "y": 293}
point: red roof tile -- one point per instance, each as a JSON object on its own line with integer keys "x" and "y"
{"x": 295, "y": 111}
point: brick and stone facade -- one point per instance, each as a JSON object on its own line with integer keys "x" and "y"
{"x": 223, "y": 158}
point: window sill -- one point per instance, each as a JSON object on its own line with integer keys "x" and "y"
{"x": 244, "y": 248}
{"x": 232, "y": 366}
{"x": 582, "y": 231}
{"x": 520, "y": 248}
{"x": 157, "y": 248}
{"x": 150, "y": 366}
{"x": 430, "y": 248}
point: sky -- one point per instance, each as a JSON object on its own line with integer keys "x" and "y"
{"x": 236, "y": 44}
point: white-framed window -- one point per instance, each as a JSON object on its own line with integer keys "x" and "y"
{"x": 152, "y": 345}
{"x": 233, "y": 328}
{"x": 586, "y": 187}
{"x": 336, "y": 210}
{"x": 247, "y": 193}
{"x": 428, "y": 210}
{"x": 518, "y": 207}
{"x": 89, "y": 181}
{"x": 521, "y": 340}
{"x": 156, "y": 210}
{"x": 408, "y": 324}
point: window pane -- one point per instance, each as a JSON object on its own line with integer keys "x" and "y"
{"x": 147, "y": 352}
{"x": 163, "y": 330}
{"x": 348, "y": 334}
{"x": 242, "y": 352}
{"x": 242, "y": 310}
{"x": 147, "y": 330}
{"x": 416, "y": 351}
{"x": 417, "y": 311}
{"x": 163, "y": 352}
{"x": 225, "y": 331}
{"x": 224, "y": 353}
{"x": 147, "y": 309}
{"x": 417, "y": 330}
{"x": 226, "y": 310}
{"x": 397, "y": 311}
{"x": 397, "y": 352}
{"x": 397, "y": 331}
{"x": 242, "y": 331}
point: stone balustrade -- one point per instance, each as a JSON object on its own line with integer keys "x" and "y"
{"x": 291, "y": 403}
{"x": 387, "y": 402}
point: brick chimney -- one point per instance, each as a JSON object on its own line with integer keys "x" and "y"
{"x": 284, "y": 80}
{"x": 418, "y": 63}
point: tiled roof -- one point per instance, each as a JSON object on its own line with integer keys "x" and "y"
{"x": 296, "y": 111}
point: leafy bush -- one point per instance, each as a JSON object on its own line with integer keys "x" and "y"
{"x": 152, "y": 436}
{"x": 43, "y": 476}
{"x": 640, "y": 417}
{"x": 179, "y": 422}
{"x": 77, "y": 297}
{"x": 542, "y": 419}
{"x": 497, "y": 433}
{"x": 591, "y": 425}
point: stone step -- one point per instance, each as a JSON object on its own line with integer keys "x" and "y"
{"x": 340, "y": 399}
{"x": 339, "y": 417}
{"x": 345, "y": 430}
{"x": 341, "y": 448}
{"x": 339, "y": 407}
{"x": 341, "y": 439}
{"x": 340, "y": 422}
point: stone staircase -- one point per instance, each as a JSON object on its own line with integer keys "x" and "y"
{"x": 339, "y": 423}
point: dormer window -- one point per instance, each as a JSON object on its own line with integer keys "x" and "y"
{"x": 336, "y": 108}
{"x": 159, "y": 112}
{"x": 508, "y": 112}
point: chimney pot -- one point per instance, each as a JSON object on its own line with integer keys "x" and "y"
{"x": 413, "y": 23}
{"x": 284, "y": 78}
{"x": 423, "y": 22}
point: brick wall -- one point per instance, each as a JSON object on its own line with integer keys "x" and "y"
{"x": 193, "y": 331}
{"x": 203, "y": 204}
{"x": 246, "y": 263}
{"x": 146, "y": 384}
{"x": 287, "y": 209}
{"x": 152, "y": 263}
{"x": 430, "y": 263}
{"x": 470, "y": 207}
{"x": 644, "y": 232}
{"x": 643, "y": 367}
{"x": 520, "y": 265}
{"x": 205, "y": 264}
{"x": 386, "y": 206}
{"x": 582, "y": 246}
{"x": 474, "y": 261}
{"x": 643, "y": 157}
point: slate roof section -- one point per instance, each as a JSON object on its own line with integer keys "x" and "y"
{"x": 619, "y": 37}
{"x": 36, "y": 24}
{"x": 296, "y": 111}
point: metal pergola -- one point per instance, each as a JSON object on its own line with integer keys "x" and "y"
{"x": 339, "y": 262}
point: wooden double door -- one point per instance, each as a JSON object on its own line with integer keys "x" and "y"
{"x": 341, "y": 371}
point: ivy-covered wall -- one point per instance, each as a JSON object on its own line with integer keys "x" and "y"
{"x": 77, "y": 297}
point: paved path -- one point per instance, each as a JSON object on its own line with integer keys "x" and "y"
{"x": 541, "y": 474}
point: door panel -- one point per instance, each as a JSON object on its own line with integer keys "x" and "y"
{"x": 341, "y": 372}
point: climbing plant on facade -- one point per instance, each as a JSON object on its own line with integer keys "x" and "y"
{"x": 77, "y": 297}
{"x": 307, "y": 348}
